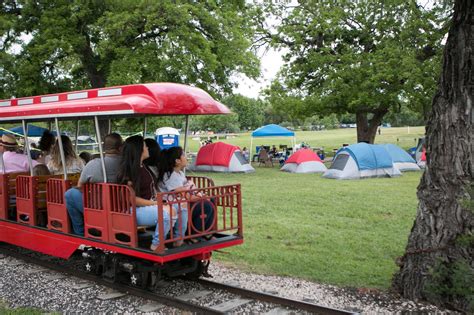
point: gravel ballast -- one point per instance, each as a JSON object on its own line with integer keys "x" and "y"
{"x": 20, "y": 287}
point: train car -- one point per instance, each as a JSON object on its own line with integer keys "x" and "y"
{"x": 33, "y": 212}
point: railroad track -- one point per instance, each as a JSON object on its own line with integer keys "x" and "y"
{"x": 279, "y": 305}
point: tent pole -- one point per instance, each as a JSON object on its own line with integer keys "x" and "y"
{"x": 250, "y": 150}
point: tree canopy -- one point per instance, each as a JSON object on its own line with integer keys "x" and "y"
{"x": 51, "y": 46}
{"x": 364, "y": 57}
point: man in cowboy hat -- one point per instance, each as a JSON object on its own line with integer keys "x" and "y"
{"x": 13, "y": 161}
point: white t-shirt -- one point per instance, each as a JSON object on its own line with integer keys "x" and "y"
{"x": 172, "y": 181}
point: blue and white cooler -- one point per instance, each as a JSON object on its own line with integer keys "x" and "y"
{"x": 167, "y": 137}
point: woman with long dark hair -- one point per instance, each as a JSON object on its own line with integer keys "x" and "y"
{"x": 154, "y": 159}
{"x": 74, "y": 164}
{"x": 171, "y": 177}
{"x": 134, "y": 173}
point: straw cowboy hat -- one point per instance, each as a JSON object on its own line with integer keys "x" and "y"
{"x": 8, "y": 140}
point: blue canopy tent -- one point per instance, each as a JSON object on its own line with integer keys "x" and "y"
{"x": 272, "y": 131}
{"x": 33, "y": 131}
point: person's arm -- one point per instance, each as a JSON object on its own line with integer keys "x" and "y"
{"x": 175, "y": 183}
{"x": 141, "y": 202}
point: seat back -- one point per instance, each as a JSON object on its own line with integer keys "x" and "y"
{"x": 121, "y": 210}
{"x": 31, "y": 198}
{"x": 58, "y": 218}
{"x": 8, "y": 192}
{"x": 95, "y": 212}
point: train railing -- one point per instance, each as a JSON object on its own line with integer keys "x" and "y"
{"x": 110, "y": 213}
{"x": 201, "y": 181}
{"x": 209, "y": 210}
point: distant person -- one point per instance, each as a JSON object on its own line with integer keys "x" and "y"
{"x": 41, "y": 170}
{"x": 273, "y": 151}
{"x": 45, "y": 145}
{"x": 85, "y": 156}
{"x": 92, "y": 173}
{"x": 74, "y": 164}
{"x": 12, "y": 161}
{"x": 245, "y": 153}
{"x": 34, "y": 151}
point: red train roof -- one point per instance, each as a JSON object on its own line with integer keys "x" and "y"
{"x": 137, "y": 99}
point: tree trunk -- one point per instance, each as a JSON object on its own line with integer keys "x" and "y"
{"x": 367, "y": 129}
{"x": 438, "y": 263}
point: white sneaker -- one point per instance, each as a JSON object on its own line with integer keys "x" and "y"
{"x": 153, "y": 247}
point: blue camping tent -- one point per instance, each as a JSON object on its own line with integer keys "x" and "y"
{"x": 33, "y": 131}
{"x": 271, "y": 130}
{"x": 361, "y": 160}
{"x": 400, "y": 158}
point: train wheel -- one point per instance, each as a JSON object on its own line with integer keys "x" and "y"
{"x": 200, "y": 271}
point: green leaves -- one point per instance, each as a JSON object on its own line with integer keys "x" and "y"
{"x": 82, "y": 44}
{"x": 360, "y": 57}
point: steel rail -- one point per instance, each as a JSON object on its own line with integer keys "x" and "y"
{"x": 270, "y": 298}
{"x": 163, "y": 299}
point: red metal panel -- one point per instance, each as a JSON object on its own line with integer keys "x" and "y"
{"x": 26, "y": 188}
{"x": 58, "y": 218}
{"x": 121, "y": 214}
{"x": 95, "y": 213}
{"x": 63, "y": 245}
{"x": 152, "y": 98}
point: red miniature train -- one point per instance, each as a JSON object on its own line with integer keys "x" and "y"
{"x": 33, "y": 212}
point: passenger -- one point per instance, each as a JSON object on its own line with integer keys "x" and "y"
{"x": 45, "y": 144}
{"x": 13, "y": 161}
{"x": 92, "y": 173}
{"x": 41, "y": 170}
{"x": 172, "y": 178}
{"x": 153, "y": 161}
{"x": 85, "y": 156}
{"x": 74, "y": 164}
{"x": 134, "y": 173}
{"x": 245, "y": 153}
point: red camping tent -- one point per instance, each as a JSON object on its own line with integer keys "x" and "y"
{"x": 303, "y": 155}
{"x": 221, "y": 157}
{"x": 304, "y": 161}
{"x": 218, "y": 153}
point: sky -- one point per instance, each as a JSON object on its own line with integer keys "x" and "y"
{"x": 271, "y": 61}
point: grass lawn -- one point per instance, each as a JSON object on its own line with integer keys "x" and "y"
{"x": 328, "y": 139}
{"x": 345, "y": 233}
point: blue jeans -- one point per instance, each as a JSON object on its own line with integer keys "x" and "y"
{"x": 148, "y": 215}
{"x": 75, "y": 208}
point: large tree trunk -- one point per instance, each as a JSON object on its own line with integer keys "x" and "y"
{"x": 367, "y": 129}
{"x": 438, "y": 264}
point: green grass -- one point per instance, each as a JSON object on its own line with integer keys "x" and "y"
{"x": 5, "y": 310}
{"x": 346, "y": 233}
